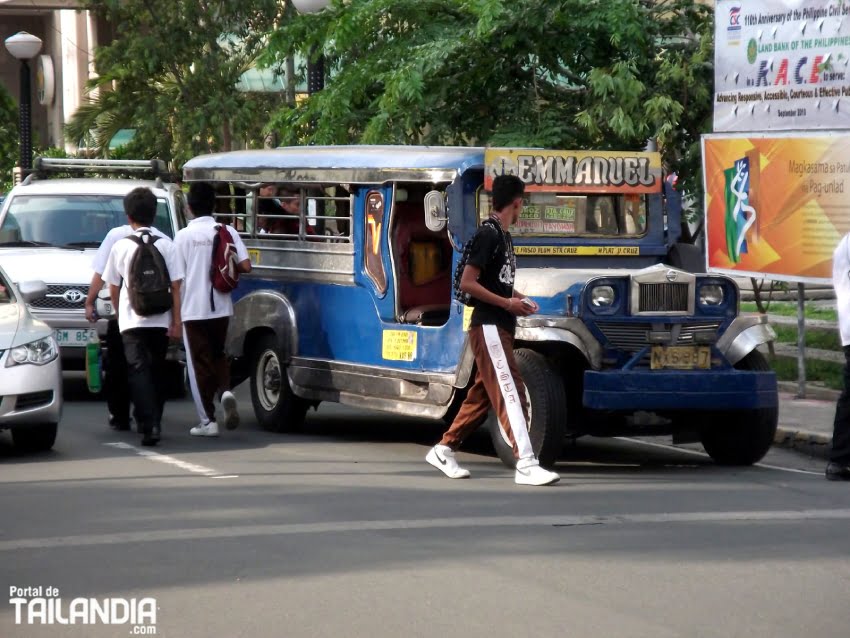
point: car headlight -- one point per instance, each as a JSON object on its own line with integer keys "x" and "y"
{"x": 602, "y": 296}
{"x": 37, "y": 352}
{"x": 711, "y": 295}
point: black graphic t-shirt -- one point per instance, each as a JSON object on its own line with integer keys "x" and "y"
{"x": 493, "y": 252}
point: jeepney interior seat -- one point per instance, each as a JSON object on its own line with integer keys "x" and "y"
{"x": 424, "y": 269}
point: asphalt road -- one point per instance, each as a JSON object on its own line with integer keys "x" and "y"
{"x": 344, "y": 531}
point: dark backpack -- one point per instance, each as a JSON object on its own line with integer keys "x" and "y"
{"x": 224, "y": 274}
{"x": 464, "y": 297}
{"x": 148, "y": 282}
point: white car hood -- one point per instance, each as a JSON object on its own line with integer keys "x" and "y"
{"x": 18, "y": 327}
{"x": 50, "y": 265}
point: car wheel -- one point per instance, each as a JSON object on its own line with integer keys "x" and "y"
{"x": 34, "y": 438}
{"x": 745, "y": 436}
{"x": 547, "y": 411}
{"x": 277, "y": 409}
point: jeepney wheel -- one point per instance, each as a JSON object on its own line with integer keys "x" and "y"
{"x": 547, "y": 411}
{"x": 745, "y": 436}
{"x": 277, "y": 409}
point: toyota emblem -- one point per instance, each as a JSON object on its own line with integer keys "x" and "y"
{"x": 73, "y": 296}
{"x": 672, "y": 275}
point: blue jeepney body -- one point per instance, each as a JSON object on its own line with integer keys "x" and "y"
{"x": 357, "y": 319}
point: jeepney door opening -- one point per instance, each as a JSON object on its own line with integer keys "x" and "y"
{"x": 422, "y": 259}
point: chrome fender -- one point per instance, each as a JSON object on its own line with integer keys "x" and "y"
{"x": 263, "y": 309}
{"x": 743, "y": 336}
{"x": 561, "y": 329}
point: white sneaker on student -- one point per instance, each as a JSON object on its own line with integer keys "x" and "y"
{"x": 205, "y": 429}
{"x": 228, "y": 405}
{"x": 443, "y": 458}
{"x": 529, "y": 472}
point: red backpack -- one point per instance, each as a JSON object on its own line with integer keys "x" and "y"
{"x": 224, "y": 275}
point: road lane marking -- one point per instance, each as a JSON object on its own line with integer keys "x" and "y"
{"x": 338, "y": 527}
{"x": 194, "y": 468}
{"x": 704, "y": 455}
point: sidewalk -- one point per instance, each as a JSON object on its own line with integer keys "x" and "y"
{"x": 806, "y": 424}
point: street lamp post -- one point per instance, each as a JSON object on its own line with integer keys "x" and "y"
{"x": 315, "y": 69}
{"x": 25, "y": 46}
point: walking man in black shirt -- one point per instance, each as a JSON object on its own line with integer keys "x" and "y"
{"x": 489, "y": 278}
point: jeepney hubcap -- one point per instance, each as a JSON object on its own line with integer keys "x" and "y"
{"x": 269, "y": 380}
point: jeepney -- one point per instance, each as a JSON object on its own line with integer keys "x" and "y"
{"x": 350, "y": 299}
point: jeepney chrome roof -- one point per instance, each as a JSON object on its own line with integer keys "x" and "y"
{"x": 346, "y": 164}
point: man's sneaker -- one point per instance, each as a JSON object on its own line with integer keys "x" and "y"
{"x": 529, "y": 472}
{"x": 231, "y": 416}
{"x": 443, "y": 458}
{"x": 205, "y": 429}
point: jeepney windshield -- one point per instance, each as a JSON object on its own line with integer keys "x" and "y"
{"x": 567, "y": 215}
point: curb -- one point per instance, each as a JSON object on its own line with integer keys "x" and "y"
{"x": 813, "y": 443}
{"x": 812, "y": 391}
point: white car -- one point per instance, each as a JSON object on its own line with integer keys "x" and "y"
{"x": 51, "y": 227}
{"x": 30, "y": 372}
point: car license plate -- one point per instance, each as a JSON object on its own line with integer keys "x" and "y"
{"x": 73, "y": 336}
{"x": 681, "y": 357}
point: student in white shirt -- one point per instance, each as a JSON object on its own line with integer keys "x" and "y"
{"x": 115, "y": 385}
{"x": 206, "y": 312}
{"x": 145, "y": 337}
{"x": 838, "y": 468}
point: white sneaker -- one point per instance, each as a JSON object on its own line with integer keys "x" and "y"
{"x": 443, "y": 458}
{"x": 529, "y": 472}
{"x": 205, "y": 429}
{"x": 228, "y": 404}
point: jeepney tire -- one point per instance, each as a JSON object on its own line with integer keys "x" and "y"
{"x": 745, "y": 436}
{"x": 547, "y": 407}
{"x": 277, "y": 409}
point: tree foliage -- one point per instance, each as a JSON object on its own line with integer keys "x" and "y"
{"x": 552, "y": 73}
{"x": 9, "y": 139}
{"x": 170, "y": 74}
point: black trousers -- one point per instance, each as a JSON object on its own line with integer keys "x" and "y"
{"x": 841, "y": 428}
{"x": 116, "y": 383}
{"x": 145, "y": 349}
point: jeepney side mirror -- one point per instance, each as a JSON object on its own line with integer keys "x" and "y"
{"x": 435, "y": 211}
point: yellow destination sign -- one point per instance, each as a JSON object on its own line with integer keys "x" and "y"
{"x": 581, "y": 251}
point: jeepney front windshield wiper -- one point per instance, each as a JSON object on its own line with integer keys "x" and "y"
{"x": 82, "y": 244}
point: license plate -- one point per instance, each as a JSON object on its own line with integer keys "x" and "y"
{"x": 73, "y": 337}
{"x": 681, "y": 357}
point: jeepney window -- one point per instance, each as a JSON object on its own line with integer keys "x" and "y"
{"x": 372, "y": 240}
{"x": 316, "y": 213}
{"x": 554, "y": 215}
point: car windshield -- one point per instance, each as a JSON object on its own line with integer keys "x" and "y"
{"x": 75, "y": 221}
{"x": 554, "y": 215}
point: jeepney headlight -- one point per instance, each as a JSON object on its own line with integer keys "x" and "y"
{"x": 602, "y": 296}
{"x": 38, "y": 352}
{"x": 711, "y": 295}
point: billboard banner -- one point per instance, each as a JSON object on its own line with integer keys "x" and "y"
{"x": 576, "y": 171}
{"x": 777, "y": 205}
{"x": 782, "y": 65}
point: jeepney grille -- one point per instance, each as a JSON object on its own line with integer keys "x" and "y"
{"x": 55, "y": 300}
{"x": 631, "y": 337}
{"x": 663, "y": 298}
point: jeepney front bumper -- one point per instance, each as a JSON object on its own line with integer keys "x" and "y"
{"x": 658, "y": 390}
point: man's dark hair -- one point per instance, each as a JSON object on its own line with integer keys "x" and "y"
{"x": 201, "y": 199}
{"x": 140, "y": 205}
{"x": 506, "y": 188}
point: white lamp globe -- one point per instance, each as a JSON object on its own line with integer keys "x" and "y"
{"x": 310, "y": 6}
{"x": 23, "y": 45}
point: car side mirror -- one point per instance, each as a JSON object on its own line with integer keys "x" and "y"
{"x": 32, "y": 290}
{"x": 435, "y": 211}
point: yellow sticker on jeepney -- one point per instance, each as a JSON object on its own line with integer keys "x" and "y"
{"x": 254, "y": 256}
{"x": 467, "y": 317}
{"x": 580, "y": 251}
{"x": 399, "y": 345}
